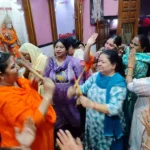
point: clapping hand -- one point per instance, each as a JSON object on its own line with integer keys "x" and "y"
{"x": 67, "y": 142}
{"x": 27, "y": 135}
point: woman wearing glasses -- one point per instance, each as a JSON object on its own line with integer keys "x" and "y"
{"x": 141, "y": 44}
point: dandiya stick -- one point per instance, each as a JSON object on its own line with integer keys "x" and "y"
{"x": 87, "y": 66}
{"x": 76, "y": 85}
{"x": 30, "y": 68}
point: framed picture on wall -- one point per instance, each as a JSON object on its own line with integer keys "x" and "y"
{"x": 96, "y": 11}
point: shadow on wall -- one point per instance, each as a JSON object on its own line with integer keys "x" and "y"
{"x": 48, "y": 50}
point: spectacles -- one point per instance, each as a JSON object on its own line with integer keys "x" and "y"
{"x": 134, "y": 44}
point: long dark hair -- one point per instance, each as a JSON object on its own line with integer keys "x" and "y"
{"x": 114, "y": 58}
{"x": 3, "y": 61}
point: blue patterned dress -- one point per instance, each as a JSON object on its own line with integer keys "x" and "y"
{"x": 94, "y": 138}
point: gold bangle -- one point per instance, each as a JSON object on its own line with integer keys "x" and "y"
{"x": 131, "y": 67}
{"x": 129, "y": 75}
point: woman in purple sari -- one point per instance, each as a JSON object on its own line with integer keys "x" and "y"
{"x": 62, "y": 69}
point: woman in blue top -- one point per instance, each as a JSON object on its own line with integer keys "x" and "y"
{"x": 105, "y": 91}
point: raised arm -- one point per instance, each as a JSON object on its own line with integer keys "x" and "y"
{"x": 49, "y": 88}
{"x": 90, "y": 42}
{"x": 131, "y": 63}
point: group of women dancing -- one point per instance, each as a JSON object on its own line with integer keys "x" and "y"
{"x": 107, "y": 105}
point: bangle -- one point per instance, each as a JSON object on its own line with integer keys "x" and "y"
{"x": 131, "y": 67}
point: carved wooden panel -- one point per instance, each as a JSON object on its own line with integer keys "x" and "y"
{"x": 133, "y": 4}
{"x": 125, "y": 15}
{"x": 125, "y": 5}
{"x": 128, "y": 17}
{"x": 132, "y": 15}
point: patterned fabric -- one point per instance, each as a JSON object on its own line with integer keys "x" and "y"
{"x": 63, "y": 77}
{"x": 141, "y": 87}
{"x": 94, "y": 129}
{"x": 141, "y": 65}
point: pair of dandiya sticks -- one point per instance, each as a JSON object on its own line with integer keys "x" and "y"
{"x": 87, "y": 67}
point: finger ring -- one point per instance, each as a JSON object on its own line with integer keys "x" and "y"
{"x": 148, "y": 120}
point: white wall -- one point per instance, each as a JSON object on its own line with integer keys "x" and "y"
{"x": 48, "y": 50}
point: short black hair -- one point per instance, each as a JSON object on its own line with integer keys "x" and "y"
{"x": 117, "y": 40}
{"x": 63, "y": 41}
{"x": 72, "y": 41}
{"x": 144, "y": 41}
{"x": 82, "y": 44}
{"x": 114, "y": 58}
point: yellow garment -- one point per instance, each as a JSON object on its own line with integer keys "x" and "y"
{"x": 38, "y": 59}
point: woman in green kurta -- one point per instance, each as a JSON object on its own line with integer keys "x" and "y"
{"x": 140, "y": 43}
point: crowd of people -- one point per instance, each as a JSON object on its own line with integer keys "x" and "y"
{"x": 65, "y": 106}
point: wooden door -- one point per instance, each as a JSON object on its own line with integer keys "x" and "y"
{"x": 128, "y": 16}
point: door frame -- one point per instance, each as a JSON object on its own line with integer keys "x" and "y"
{"x": 29, "y": 21}
{"x": 78, "y": 19}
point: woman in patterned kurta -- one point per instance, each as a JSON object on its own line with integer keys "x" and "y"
{"x": 106, "y": 91}
{"x": 140, "y": 44}
{"x": 62, "y": 69}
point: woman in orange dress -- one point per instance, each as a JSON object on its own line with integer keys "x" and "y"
{"x": 19, "y": 100}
